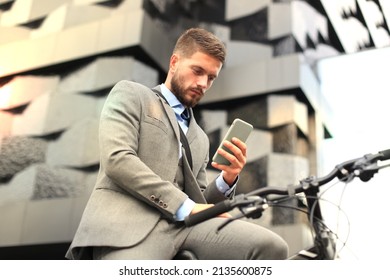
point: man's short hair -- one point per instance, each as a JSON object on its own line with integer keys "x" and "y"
{"x": 198, "y": 39}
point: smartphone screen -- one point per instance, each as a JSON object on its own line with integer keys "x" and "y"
{"x": 239, "y": 129}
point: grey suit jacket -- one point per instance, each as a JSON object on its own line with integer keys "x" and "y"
{"x": 139, "y": 146}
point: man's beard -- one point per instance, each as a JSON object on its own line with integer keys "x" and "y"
{"x": 180, "y": 92}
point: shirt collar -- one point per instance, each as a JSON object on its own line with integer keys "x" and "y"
{"x": 172, "y": 99}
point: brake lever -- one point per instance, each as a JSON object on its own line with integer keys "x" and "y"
{"x": 365, "y": 173}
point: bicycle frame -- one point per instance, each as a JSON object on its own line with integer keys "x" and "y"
{"x": 254, "y": 203}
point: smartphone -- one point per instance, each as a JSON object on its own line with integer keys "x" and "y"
{"x": 239, "y": 129}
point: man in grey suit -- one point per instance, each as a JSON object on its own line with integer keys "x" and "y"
{"x": 148, "y": 183}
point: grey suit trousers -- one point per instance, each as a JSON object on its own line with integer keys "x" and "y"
{"x": 240, "y": 240}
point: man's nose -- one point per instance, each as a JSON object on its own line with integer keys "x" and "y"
{"x": 203, "y": 81}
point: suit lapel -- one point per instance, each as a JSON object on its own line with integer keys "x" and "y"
{"x": 170, "y": 113}
{"x": 192, "y": 128}
{"x": 191, "y": 187}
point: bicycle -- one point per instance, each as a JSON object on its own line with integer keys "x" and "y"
{"x": 251, "y": 205}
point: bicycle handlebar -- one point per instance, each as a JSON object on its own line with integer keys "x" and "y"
{"x": 360, "y": 167}
{"x": 217, "y": 209}
{"x": 385, "y": 155}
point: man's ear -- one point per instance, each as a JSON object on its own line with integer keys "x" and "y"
{"x": 173, "y": 62}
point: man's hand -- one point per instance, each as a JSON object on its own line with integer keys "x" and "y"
{"x": 237, "y": 160}
{"x": 200, "y": 207}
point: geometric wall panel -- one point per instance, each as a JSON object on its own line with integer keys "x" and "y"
{"x": 273, "y": 169}
{"x": 54, "y": 112}
{"x": 88, "y": 39}
{"x": 66, "y": 16}
{"x": 239, "y": 9}
{"x": 271, "y": 111}
{"x": 24, "y": 11}
{"x": 287, "y": 139}
{"x": 243, "y": 52}
{"x": 41, "y": 181}
{"x": 19, "y": 152}
{"x": 95, "y": 77}
{"x": 19, "y": 188}
{"x": 14, "y": 93}
{"x": 5, "y": 124}
{"x": 14, "y": 33}
{"x": 57, "y": 182}
{"x": 259, "y": 76}
{"x": 77, "y": 146}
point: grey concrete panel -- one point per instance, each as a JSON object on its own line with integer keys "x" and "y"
{"x": 57, "y": 182}
{"x": 243, "y": 52}
{"x": 153, "y": 40}
{"x": 52, "y": 113}
{"x": 11, "y": 221}
{"x": 285, "y": 46}
{"x": 77, "y": 42}
{"x": 221, "y": 31}
{"x": 46, "y": 221}
{"x": 280, "y": 18}
{"x": 66, "y": 16}
{"x": 23, "y": 55}
{"x": 253, "y": 176}
{"x": 274, "y": 169}
{"x": 253, "y": 110}
{"x": 85, "y": 40}
{"x": 212, "y": 119}
{"x": 25, "y": 11}
{"x": 17, "y": 153}
{"x": 272, "y": 111}
{"x": 12, "y": 33}
{"x": 109, "y": 40}
{"x": 20, "y": 188}
{"x": 77, "y": 147}
{"x": 259, "y": 144}
{"x": 285, "y": 139}
{"x": 21, "y": 90}
{"x": 284, "y": 169}
{"x": 5, "y": 124}
{"x": 286, "y": 109}
{"x": 95, "y": 76}
{"x": 238, "y": 9}
{"x": 254, "y": 79}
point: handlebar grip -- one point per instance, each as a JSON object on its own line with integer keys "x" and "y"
{"x": 386, "y": 154}
{"x": 217, "y": 209}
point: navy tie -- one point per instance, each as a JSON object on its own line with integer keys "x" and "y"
{"x": 185, "y": 115}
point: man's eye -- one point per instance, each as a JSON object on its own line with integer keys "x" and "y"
{"x": 198, "y": 72}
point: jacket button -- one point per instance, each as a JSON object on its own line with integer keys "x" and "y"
{"x": 161, "y": 203}
{"x": 165, "y": 205}
{"x": 152, "y": 197}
